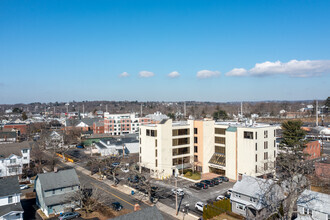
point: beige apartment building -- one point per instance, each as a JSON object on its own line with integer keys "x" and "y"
{"x": 226, "y": 148}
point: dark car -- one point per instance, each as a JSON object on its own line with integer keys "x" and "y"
{"x": 217, "y": 180}
{"x": 224, "y": 179}
{"x": 201, "y": 185}
{"x": 208, "y": 182}
{"x": 115, "y": 164}
{"x": 133, "y": 179}
{"x": 68, "y": 215}
{"x": 117, "y": 206}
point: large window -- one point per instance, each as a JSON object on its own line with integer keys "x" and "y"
{"x": 180, "y": 141}
{"x": 220, "y": 150}
{"x": 152, "y": 133}
{"x": 220, "y": 140}
{"x": 265, "y": 134}
{"x": 266, "y": 145}
{"x": 10, "y": 199}
{"x": 13, "y": 160}
{"x": 178, "y": 161}
{"x": 195, "y": 131}
{"x": 248, "y": 135}
{"x": 220, "y": 131}
{"x": 195, "y": 149}
{"x": 180, "y": 151}
{"x": 195, "y": 140}
{"x": 178, "y": 132}
{"x": 265, "y": 155}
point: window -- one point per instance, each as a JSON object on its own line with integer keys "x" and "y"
{"x": 180, "y": 141}
{"x": 72, "y": 187}
{"x": 310, "y": 212}
{"x": 266, "y": 145}
{"x": 265, "y": 155}
{"x": 220, "y": 150}
{"x": 25, "y": 151}
{"x": 253, "y": 200}
{"x": 195, "y": 149}
{"x": 178, "y": 161}
{"x": 238, "y": 195}
{"x": 10, "y": 199}
{"x": 256, "y": 135}
{"x": 256, "y": 158}
{"x": 153, "y": 133}
{"x": 148, "y": 132}
{"x": 140, "y": 149}
{"x": 256, "y": 146}
{"x": 220, "y": 131}
{"x": 13, "y": 160}
{"x": 239, "y": 206}
{"x": 274, "y": 133}
{"x": 195, "y": 131}
{"x": 265, "y": 166}
{"x": 155, "y": 142}
{"x": 220, "y": 140}
{"x": 274, "y": 153}
{"x": 195, "y": 158}
{"x": 274, "y": 143}
{"x": 156, "y": 153}
{"x": 140, "y": 140}
{"x": 156, "y": 163}
{"x": 265, "y": 134}
{"x": 256, "y": 169}
{"x": 53, "y": 191}
{"x": 248, "y": 135}
{"x": 178, "y": 132}
{"x": 195, "y": 140}
{"x": 25, "y": 158}
{"x": 305, "y": 211}
{"x": 180, "y": 151}
{"x": 13, "y": 170}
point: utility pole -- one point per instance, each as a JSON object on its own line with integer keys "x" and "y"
{"x": 176, "y": 195}
{"x": 184, "y": 110}
{"x": 141, "y": 110}
{"x": 83, "y": 110}
{"x": 106, "y": 108}
{"x": 242, "y": 109}
{"x": 317, "y": 114}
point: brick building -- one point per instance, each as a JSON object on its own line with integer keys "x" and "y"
{"x": 313, "y": 148}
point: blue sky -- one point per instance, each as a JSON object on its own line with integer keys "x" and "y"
{"x": 76, "y": 50}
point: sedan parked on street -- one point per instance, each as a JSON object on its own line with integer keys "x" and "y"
{"x": 68, "y": 215}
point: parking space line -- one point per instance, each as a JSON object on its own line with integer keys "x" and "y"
{"x": 112, "y": 194}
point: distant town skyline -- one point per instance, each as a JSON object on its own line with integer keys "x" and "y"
{"x": 219, "y": 51}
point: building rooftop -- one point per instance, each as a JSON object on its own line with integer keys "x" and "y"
{"x": 9, "y": 186}
{"x": 243, "y": 124}
{"x": 14, "y": 148}
{"x": 315, "y": 200}
{"x": 60, "y": 179}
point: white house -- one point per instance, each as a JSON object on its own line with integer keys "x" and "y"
{"x": 10, "y": 205}
{"x": 313, "y": 205}
{"x": 115, "y": 146}
{"x": 14, "y": 157}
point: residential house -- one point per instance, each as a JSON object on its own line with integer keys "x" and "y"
{"x": 98, "y": 127}
{"x": 249, "y": 195}
{"x": 55, "y": 191}
{"x": 10, "y": 205}
{"x": 313, "y": 206}
{"x": 14, "y": 157}
{"x": 116, "y": 146}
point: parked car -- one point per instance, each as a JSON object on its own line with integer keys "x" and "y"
{"x": 224, "y": 179}
{"x": 117, "y": 206}
{"x": 133, "y": 179}
{"x": 178, "y": 191}
{"x": 115, "y": 164}
{"x": 208, "y": 182}
{"x": 201, "y": 185}
{"x": 221, "y": 197}
{"x": 215, "y": 181}
{"x": 199, "y": 206}
{"x": 23, "y": 187}
{"x": 68, "y": 215}
{"x": 218, "y": 179}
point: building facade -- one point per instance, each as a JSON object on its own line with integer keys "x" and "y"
{"x": 226, "y": 148}
{"x": 118, "y": 124}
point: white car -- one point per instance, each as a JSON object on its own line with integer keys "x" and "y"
{"x": 199, "y": 206}
{"x": 23, "y": 187}
{"x": 178, "y": 191}
{"x": 221, "y": 197}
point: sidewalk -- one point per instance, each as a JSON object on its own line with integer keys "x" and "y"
{"x": 138, "y": 195}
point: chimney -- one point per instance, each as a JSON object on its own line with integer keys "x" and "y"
{"x": 240, "y": 177}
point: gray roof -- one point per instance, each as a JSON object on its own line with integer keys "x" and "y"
{"x": 14, "y": 148}
{"x": 150, "y": 213}
{"x": 59, "y": 199}
{"x": 10, "y": 208}
{"x": 315, "y": 201}
{"x": 60, "y": 179}
{"x": 9, "y": 186}
{"x": 88, "y": 121}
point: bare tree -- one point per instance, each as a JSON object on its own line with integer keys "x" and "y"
{"x": 88, "y": 199}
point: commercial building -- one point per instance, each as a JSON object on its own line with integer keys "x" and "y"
{"x": 118, "y": 124}
{"x": 227, "y": 148}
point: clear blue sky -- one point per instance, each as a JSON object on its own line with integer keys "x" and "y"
{"x": 59, "y": 50}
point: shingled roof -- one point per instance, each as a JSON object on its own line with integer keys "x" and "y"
{"x": 60, "y": 179}
{"x": 9, "y": 186}
{"x": 14, "y": 148}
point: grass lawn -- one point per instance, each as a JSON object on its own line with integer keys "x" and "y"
{"x": 193, "y": 176}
